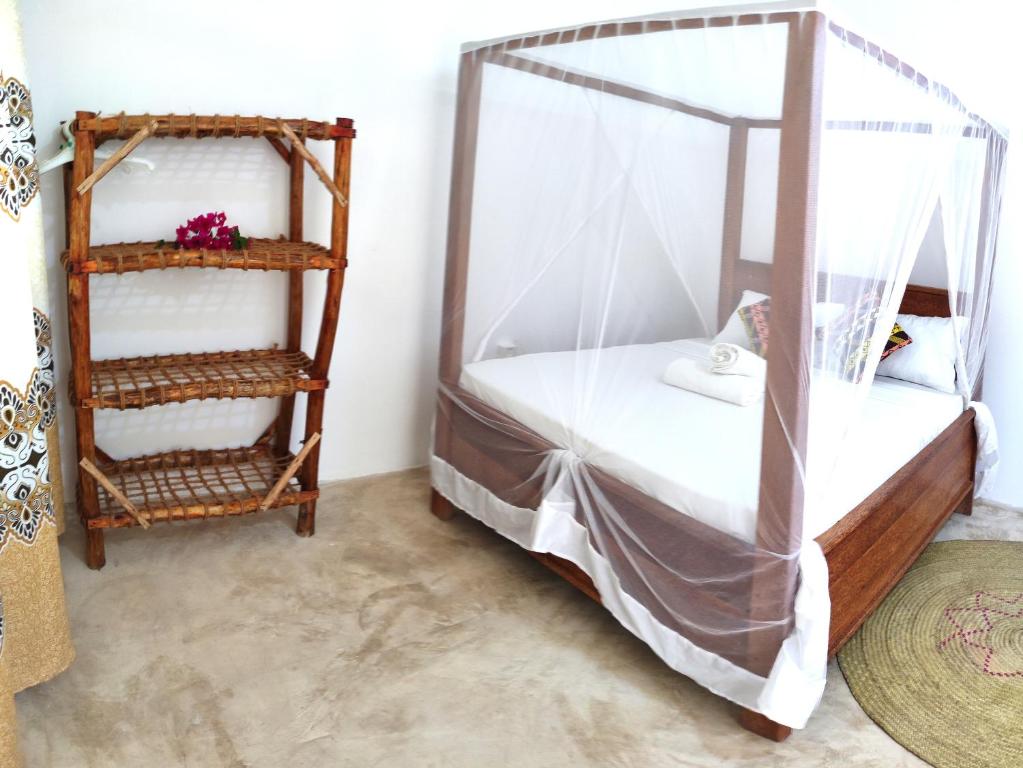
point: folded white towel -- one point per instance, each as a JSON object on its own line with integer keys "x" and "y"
{"x": 733, "y": 360}
{"x": 696, "y": 376}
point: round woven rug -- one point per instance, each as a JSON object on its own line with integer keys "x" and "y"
{"x": 939, "y": 665}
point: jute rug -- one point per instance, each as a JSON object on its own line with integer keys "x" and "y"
{"x": 939, "y": 665}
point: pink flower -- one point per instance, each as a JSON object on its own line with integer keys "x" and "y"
{"x": 209, "y": 231}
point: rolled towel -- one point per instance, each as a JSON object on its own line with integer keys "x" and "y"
{"x": 733, "y": 360}
{"x": 695, "y": 376}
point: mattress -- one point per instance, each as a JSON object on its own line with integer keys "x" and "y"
{"x": 699, "y": 455}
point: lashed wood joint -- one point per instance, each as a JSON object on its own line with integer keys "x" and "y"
{"x": 298, "y": 146}
{"x": 289, "y": 473}
{"x": 282, "y": 150}
{"x": 267, "y": 433}
{"x": 123, "y": 151}
{"x": 114, "y": 491}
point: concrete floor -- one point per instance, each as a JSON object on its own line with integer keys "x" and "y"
{"x": 388, "y": 639}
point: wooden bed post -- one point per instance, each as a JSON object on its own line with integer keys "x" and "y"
{"x": 470, "y": 77}
{"x": 286, "y": 414}
{"x": 731, "y": 234}
{"x": 786, "y": 402}
{"x": 79, "y": 221}
{"x": 990, "y": 215}
{"x": 306, "y": 525}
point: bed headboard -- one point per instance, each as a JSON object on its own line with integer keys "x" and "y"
{"x": 745, "y": 275}
{"x": 922, "y": 300}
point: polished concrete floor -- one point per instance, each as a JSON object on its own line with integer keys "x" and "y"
{"x": 388, "y": 639}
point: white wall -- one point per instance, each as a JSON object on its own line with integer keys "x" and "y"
{"x": 392, "y": 68}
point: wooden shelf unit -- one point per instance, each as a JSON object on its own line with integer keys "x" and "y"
{"x": 188, "y": 484}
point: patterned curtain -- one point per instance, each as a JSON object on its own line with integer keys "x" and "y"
{"x": 34, "y": 638}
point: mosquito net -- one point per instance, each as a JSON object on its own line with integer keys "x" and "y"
{"x": 677, "y": 252}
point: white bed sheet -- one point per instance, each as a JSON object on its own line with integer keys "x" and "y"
{"x": 699, "y": 455}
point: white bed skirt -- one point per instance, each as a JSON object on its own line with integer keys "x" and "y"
{"x": 796, "y": 683}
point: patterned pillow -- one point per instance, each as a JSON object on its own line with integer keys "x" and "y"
{"x": 851, "y": 333}
{"x": 755, "y": 320}
{"x": 896, "y": 341}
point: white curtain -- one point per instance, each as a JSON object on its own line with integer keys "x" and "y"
{"x": 34, "y": 635}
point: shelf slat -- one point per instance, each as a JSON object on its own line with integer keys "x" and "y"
{"x": 195, "y": 485}
{"x": 215, "y": 126}
{"x": 262, "y": 254}
{"x": 140, "y": 382}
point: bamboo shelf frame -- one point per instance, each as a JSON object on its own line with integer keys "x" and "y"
{"x": 140, "y": 382}
{"x": 210, "y": 126}
{"x": 198, "y": 485}
{"x": 262, "y": 254}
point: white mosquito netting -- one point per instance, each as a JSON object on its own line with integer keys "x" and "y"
{"x": 627, "y": 195}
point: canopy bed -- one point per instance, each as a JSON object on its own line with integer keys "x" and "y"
{"x": 634, "y": 202}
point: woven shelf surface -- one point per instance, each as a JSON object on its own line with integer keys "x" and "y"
{"x": 139, "y": 382}
{"x": 122, "y": 126}
{"x": 261, "y": 254}
{"x": 189, "y": 485}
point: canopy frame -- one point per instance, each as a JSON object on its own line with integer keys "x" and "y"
{"x": 790, "y": 278}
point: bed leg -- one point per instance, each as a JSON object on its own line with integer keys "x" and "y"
{"x": 441, "y": 508}
{"x": 966, "y": 505}
{"x": 754, "y": 722}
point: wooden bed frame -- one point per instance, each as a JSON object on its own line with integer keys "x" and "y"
{"x": 869, "y": 549}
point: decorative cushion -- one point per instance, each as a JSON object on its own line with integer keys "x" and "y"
{"x": 734, "y": 331}
{"x": 931, "y": 359}
{"x": 896, "y": 341}
{"x": 755, "y": 320}
{"x": 847, "y": 338}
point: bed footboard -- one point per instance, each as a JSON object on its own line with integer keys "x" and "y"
{"x": 868, "y": 550}
{"x": 872, "y": 547}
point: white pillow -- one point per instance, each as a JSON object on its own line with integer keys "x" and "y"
{"x": 734, "y": 331}
{"x": 930, "y": 359}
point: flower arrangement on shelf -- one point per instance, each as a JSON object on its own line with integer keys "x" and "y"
{"x": 209, "y": 231}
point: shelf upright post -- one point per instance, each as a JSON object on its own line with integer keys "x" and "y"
{"x": 79, "y": 224}
{"x": 286, "y": 414}
{"x": 328, "y": 326}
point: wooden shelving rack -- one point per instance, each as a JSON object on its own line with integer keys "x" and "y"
{"x": 188, "y": 484}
